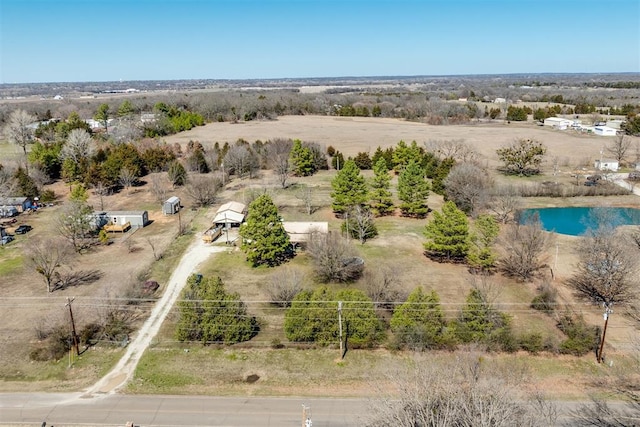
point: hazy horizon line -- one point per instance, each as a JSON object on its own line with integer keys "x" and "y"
{"x": 395, "y": 77}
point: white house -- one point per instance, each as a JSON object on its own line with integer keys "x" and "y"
{"x": 604, "y": 131}
{"x": 135, "y": 219}
{"x": 558, "y": 122}
{"x": 230, "y": 214}
{"x": 607, "y": 165}
{"x": 499, "y": 101}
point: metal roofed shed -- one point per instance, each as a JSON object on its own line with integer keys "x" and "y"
{"x": 230, "y": 214}
{"x": 300, "y": 232}
{"x": 171, "y": 206}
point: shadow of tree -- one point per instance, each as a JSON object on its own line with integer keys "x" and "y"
{"x": 76, "y": 278}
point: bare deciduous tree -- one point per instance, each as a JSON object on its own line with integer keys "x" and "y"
{"x": 17, "y": 131}
{"x": 278, "y": 151}
{"x": 305, "y": 194}
{"x": 284, "y": 285}
{"x": 46, "y": 256}
{"x": 203, "y": 189}
{"x": 504, "y": 203}
{"x": 607, "y": 267}
{"x": 79, "y": 145}
{"x": 75, "y": 223}
{"x": 463, "y": 391}
{"x": 127, "y": 177}
{"x": 618, "y": 148}
{"x": 158, "y": 187}
{"x": 382, "y": 285}
{"x": 335, "y": 258}
{"x": 101, "y": 190}
{"x": 360, "y": 222}
{"x": 237, "y": 159}
{"x": 524, "y": 248}
{"x": 456, "y": 149}
{"x": 469, "y": 187}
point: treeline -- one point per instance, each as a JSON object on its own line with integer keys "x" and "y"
{"x": 211, "y": 315}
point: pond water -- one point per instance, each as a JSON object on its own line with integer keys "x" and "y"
{"x": 575, "y": 221}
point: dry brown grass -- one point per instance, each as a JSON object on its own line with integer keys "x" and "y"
{"x": 399, "y": 243}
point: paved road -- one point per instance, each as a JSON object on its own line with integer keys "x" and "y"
{"x": 74, "y": 409}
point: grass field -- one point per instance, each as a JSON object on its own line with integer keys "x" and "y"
{"x": 295, "y": 369}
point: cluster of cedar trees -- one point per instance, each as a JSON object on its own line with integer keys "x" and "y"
{"x": 419, "y": 322}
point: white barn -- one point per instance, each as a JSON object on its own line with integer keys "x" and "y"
{"x": 558, "y": 122}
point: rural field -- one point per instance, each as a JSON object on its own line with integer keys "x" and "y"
{"x": 170, "y": 366}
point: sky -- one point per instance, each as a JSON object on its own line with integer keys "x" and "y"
{"x": 110, "y": 40}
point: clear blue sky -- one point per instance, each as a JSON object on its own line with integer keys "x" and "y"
{"x": 106, "y": 40}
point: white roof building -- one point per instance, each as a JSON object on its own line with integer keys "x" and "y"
{"x": 230, "y": 213}
{"x": 604, "y": 131}
{"x": 300, "y": 232}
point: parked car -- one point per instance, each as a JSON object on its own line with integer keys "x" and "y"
{"x": 24, "y": 228}
{"x": 6, "y": 239}
{"x": 634, "y": 175}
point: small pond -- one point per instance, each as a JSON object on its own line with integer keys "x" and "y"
{"x": 575, "y": 221}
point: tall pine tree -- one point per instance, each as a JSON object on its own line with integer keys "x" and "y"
{"x": 302, "y": 162}
{"x": 381, "y": 202}
{"x": 349, "y": 188}
{"x": 413, "y": 191}
{"x": 264, "y": 239}
{"x": 448, "y": 234}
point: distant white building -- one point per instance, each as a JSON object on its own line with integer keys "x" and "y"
{"x": 558, "y": 123}
{"x": 607, "y": 165}
{"x": 499, "y": 101}
{"x": 604, "y": 131}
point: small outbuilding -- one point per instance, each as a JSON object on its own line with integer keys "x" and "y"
{"x": 230, "y": 214}
{"x": 607, "y": 165}
{"x": 300, "y": 232}
{"x": 171, "y": 206}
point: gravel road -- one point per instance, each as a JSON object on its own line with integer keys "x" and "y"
{"x": 196, "y": 253}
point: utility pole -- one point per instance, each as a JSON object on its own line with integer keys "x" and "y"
{"x": 74, "y": 336}
{"x": 607, "y": 312}
{"x": 340, "y": 327}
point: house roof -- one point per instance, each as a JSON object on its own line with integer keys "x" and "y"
{"x": 233, "y": 207}
{"x": 301, "y": 231}
{"x": 230, "y": 213}
{"x": 173, "y": 199}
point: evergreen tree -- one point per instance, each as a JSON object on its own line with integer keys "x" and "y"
{"x": 349, "y": 188}
{"x": 413, "y": 191}
{"x": 26, "y": 185}
{"x": 419, "y": 321}
{"x": 302, "y": 160}
{"x": 79, "y": 194}
{"x": 403, "y": 154}
{"x": 125, "y": 109}
{"x": 481, "y": 254}
{"x": 363, "y": 161}
{"x": 448, "y": 234}
{"x": 479, "y": 321}
{"x": 440, "y": 174}
{"x": 211, "y": 315}
{"x": 312, "y": 318}
{"x": 177, "y": 174}
{"x": 381, "y": 202}
{"x": 103, "y": 115}
{"x": 264, "y": 239}
{"x": 337, "y": 161}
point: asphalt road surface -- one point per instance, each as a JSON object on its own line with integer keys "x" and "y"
{"x": 75, "y": 409}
